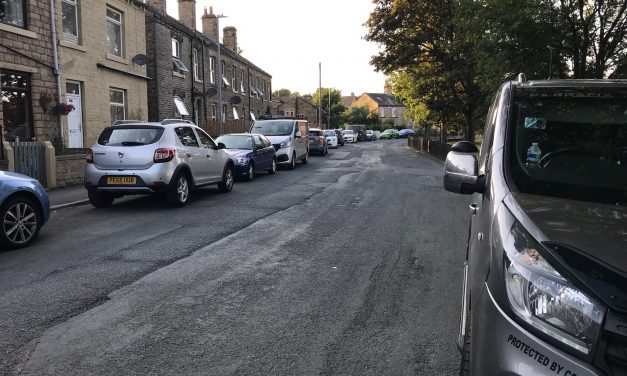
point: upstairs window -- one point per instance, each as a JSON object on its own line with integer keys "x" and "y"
{"x": 114, "y": 32}
{"x": 13, "y": 12}
{"x": 212, "y": 70}
{"x": 233, "y": 81}
{"x": 225, "y": 81}
{"x": 196, "y": 66}
{"x": 241, "y": 81}
{"x": 69, "y": 15}
{"x": 178, "y": 67}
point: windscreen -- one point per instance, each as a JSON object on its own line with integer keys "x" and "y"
{"x": 130, "y": 136}
{"x": 273, "y": 127}
{"x": 236, "y": 142}
{"x": 570, "y": 143}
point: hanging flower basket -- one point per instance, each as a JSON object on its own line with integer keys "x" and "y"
{"x": 64, "y": 108}
{"x": 45, "y": 101}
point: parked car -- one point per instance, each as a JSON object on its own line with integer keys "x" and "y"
{"x": 359, "y": 130}
{"x": 404, "y": 133}
{"x": 290, "y": 138}
{"x": 24, "y": 209}
{"x": 340, "y": 136}
{"x": 317, "y": 142}
{"x": 349, "y": 136}
{"x": 173, "y": 157}
{"x": 389, "y": 134}
{"x": 331, "y": 138}
{"x": 251, "y": 153}
{"x": 370, "y": 136}
{"x": 545, "y": 275}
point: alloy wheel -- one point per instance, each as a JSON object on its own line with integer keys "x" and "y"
{"x": 182, "y": 189}
{"x": 20, "y": 223}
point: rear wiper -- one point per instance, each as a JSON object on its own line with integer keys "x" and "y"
{"x": 132, "y": 143}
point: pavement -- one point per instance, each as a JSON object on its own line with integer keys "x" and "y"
{"x": 64, "y": 197}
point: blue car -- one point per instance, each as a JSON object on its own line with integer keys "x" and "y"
{"x": 250, "y": 152}
{"x": 24, "y": 208}
{"x": 404, "y": 133}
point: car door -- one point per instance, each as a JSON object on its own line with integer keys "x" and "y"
{"x": 260, "y": 154}
{"x": 191, "y": 153}
{"x": 214, "y": 159}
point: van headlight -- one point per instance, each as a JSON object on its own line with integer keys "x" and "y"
{"x": 544, "y": 299}
{"x": 286, "y": 144}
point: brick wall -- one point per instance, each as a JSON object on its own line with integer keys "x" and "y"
{"x": 70, "y": 170}
{"x": 29, "y": 50}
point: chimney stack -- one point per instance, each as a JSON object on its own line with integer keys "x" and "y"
{"x": 187, "y": 13}
{"x": 159, "y": 5}
{"x": 210, "y": 25}
{"x": 229, "y": 38}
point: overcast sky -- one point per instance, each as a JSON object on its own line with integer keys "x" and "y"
{"x": 271, "y": 33}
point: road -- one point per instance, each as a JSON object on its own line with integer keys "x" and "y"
{"x": 350, "y": 265}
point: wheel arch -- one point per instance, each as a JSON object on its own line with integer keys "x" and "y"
{"x": 29, "y": 195}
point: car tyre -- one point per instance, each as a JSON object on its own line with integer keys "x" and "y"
{"x": 100, "y": 200}
{"x": 21, "y": 222}
{"x": 272, "y": 169}
{"x": 292, "y": 162}
{"x": 326, "y": 151}
{"x": 226, "y": 185}
{"x": 305, "y": 159}
{"x": 250, "y": 176}
{"x": 179, "y": 194}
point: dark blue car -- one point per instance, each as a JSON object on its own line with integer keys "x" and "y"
{"x": 250, "y": 152}
{"x": 24, "y": 208}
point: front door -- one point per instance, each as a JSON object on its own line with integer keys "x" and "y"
{"x": 75, "y": 117}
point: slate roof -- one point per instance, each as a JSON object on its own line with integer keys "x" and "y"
{"x": 384, "y": 100}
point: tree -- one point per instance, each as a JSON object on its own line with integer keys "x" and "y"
{"x": 333, "y": 98}
{"x": 362, "y": 115}
{"x": 281, "y": 93}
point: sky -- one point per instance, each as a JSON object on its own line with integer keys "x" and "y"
{"x": 288, "y": 38}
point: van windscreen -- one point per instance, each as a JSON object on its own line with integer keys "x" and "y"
{"x": 273, "y": 128}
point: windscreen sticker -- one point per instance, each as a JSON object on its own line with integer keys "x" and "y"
{"x": 535, "y": 123}
{"x": 539, "y": 357}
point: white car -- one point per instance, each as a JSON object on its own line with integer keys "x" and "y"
{"x": 349, "y": 135}
{"x": 331, "y": 138}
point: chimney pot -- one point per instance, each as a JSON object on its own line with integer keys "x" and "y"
{"x": 210, "y": 25}
{"x": 230, "y": 37}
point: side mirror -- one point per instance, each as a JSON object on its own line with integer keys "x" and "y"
{"x": 297, "y": 134}
{"x": 221, "y": 146}
{"x": 461, "y": 169}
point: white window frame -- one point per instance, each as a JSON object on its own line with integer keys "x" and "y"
{"x": 178, "y": 67}
{"x": 117, "y": 104}
{"x": 382, "y": 112}
{"x": 241, "y": 83}
{"x": 20, "y": 19}
{"x": 225, "y": 81}
{"x": 71, "y": 37}
{"x": 213, "y": 112}
{"x": 223, "y": 117}
{"x": 196, "y": 66}
{"x": 394, "y": 112}
{"x": 120, "y": 24}
{"x": 233, "y": 79}
{"x": 212, "y": 69}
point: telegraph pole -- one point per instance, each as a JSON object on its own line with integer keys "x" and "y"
{"x": 320, "y": 95}
{"x": 221, "y": 116}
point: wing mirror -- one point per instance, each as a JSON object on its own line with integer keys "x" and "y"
{"x": 461, "y": 169}
{"x": 221, "y": 146}
{"x": 297, "y": 134}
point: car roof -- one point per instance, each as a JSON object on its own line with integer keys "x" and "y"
{"x": 571, "y": 83}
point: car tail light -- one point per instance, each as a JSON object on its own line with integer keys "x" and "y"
{"x": 89, "y": 157}
{"x": 163, "y": 155}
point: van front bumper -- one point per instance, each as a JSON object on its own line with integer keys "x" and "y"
{"x": 499, "y": 346}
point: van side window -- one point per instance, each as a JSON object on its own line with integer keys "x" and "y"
{"x": 488, "y": 135}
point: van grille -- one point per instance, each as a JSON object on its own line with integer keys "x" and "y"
{"x": 616, "y": 355}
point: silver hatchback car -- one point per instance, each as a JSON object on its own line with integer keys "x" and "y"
{"x": 170, "y": 157}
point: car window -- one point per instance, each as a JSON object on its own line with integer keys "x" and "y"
{"x": 258, "y": 142}
{"x": 205, "y": 140}
{"x": 187, "y": 136}
{"x": 130, "y": 136}
{"x": 314, "y": 133}
{"x": 236, "y": 141}
{"x": 273, "y": 127}
{"x": 265, "y": 141}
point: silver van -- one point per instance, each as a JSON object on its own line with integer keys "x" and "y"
{"x": 545, "y": 277}
{"x": 290, "y": 138}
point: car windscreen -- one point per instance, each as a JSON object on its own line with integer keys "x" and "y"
{"x": 348, "y": 131}
{"x": 314, "y": 133}
{"x": 569, "y": 143}
{"x": 130, "y": 136}
{"x": 329, "y": 133}
{"x": 273, "y": 128}
{"x": 236, "y": 142}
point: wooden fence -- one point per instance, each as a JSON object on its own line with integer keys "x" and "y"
{"x": 435, "y": 149}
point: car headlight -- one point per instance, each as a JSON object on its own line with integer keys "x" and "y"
{"x": 544, "y": 299}
{"x": 286, "y": 144}
{"x": 242, "y": 160}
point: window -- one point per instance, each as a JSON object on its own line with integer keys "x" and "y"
{"x": 233, "y": 82}
{"x": 225, "y": 81}
{"x": 181, "y": 110}
{"x": 258, "y": 88}
{"x": 263, "y": 87}
{"x": 198, "y": 112}
{"x": 69, "y": 15}
{"x": 117, "y": 104}
{"x": 382, "y": 112}
{"x": 187, "y": 136}
{"x": 196, "y": 66}
{"x": 114, "y": 32}
{"x": 223, "y": 115}
{"x": 212, "y": 70}
{"x": 241, "y": 81}
{"x": 235, "y": 114}
{"x": 13, "y": 12}
{"x": 205, "y": 140}
{"x": 212, "y": 112}
{"x": 177, "y": 67}
{"x": 16, "y": 105}
{"x": 393, "y": 112}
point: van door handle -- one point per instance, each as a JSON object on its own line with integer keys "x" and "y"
{"x": 473, "y": 208}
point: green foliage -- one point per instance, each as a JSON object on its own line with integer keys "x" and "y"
{"x": 331, "y": 98}
{"x": 362, "y": 115}
{"x": 281, "y": 93}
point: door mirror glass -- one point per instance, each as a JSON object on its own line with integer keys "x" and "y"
{"x": 221, "y": 146}
{"x": 297, "y": 134}
{"x": 461, "y": 169}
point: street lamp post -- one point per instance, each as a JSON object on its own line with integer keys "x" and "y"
{"x": 221, "y": 114}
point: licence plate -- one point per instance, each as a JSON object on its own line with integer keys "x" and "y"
{"x": 126, "y": 180}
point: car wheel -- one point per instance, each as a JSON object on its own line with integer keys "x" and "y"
{"x": 226, "y": 185}
{"x": 251, "y": 172}
{"x": 21, "y": 221}
{"x": 179, "y": 194}
{"x": 292, "y": 162}
{"x": 326, "y": 151}
{"x": 305, "y": 159}
{"x": 100, "y": 199}
{"x": 272, "y": 169}
{"x": 464, "y": 368}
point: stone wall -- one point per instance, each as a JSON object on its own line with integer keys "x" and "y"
{"x": 70, "y": 170}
